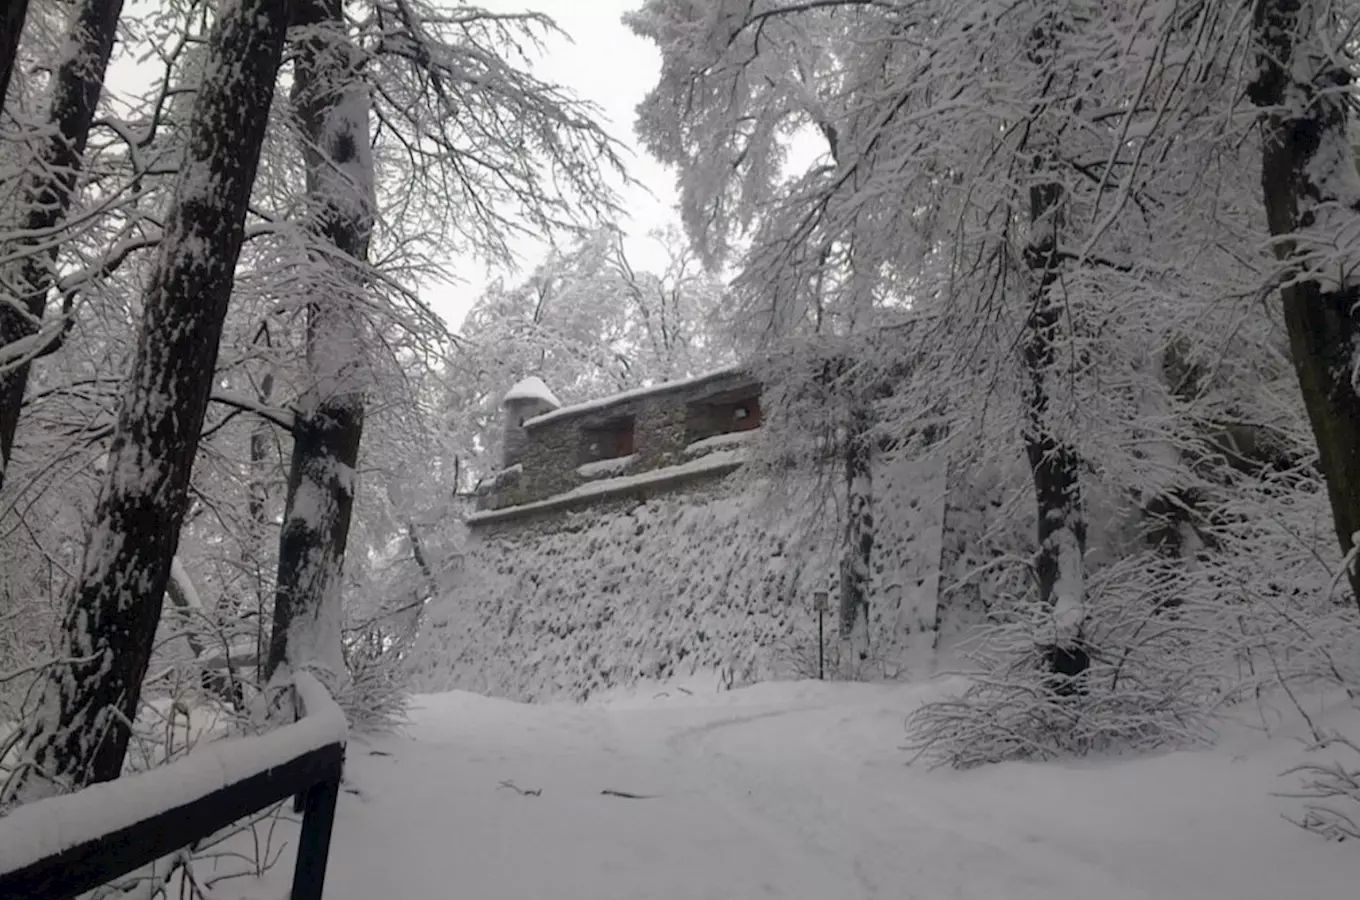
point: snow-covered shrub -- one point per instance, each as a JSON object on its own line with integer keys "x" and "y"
{"x": 1330, "y": 791}
{"x": 1276, "y": 555}
{"x": 374, "y": 697}
{"x": 1156, "y": 676}
{"x": 796, "y": 657}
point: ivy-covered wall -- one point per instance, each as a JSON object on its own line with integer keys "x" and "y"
{"x": 712, "y": 576}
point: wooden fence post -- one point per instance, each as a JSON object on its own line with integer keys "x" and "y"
{"x": 314, "y": 840}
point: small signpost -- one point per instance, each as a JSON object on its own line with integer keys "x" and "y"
{"x": 819, "y": 603}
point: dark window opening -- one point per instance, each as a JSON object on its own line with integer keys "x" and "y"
{"x": 722, "y": 415}
{"x": 609, "y": 440}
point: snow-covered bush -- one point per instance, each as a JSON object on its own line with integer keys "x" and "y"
{"x": 1250, "y": 605}
{"x": 375, "y": 696}
{"x": 796, "y": 657}
{"x": 1330, "y": 791}
{"x": 1156, "y": 676}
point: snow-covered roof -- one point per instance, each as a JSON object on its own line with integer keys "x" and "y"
{"x": 531, "y": 388}
{"x": 612, "y": 399}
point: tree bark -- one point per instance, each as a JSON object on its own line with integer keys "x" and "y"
{"x": 81, "y": 734}
{"x": 12, "y": 19}
{"x": 47, "y": 195}
{"x": 184, "y": 597}
{"x": 857, "y": 553}
{"x": 1053, "y": 463}
{"x": 331, "y": 102}
{"x": 1310, "y": 188}
{"x": 261, "y": 474}
{"x": 317, "y": 513}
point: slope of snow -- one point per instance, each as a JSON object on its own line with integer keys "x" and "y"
{"x": 717, "y": 579}
{"x": 797, "y": 791}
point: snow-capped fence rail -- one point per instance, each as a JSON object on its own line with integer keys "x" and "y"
{"x": 58, "y": 848}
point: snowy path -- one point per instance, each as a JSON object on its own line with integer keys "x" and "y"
{"x": 797, "y": 791}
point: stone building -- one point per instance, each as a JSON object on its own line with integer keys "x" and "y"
{"x": 637, "y": 442}
{"x": 619, "y": 542}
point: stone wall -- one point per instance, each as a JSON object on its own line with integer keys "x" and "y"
{"x": 580, "y": 576}
{"x": 714, "y": 576}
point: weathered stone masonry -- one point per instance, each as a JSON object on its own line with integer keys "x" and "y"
{"x": 641, "y": 431}
{"x": 612, "y": 547}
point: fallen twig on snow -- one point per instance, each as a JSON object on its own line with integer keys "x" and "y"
{"x": 609, "y": 792}
{"x": 523, "y": 792}
{"x": 667, "y": 693}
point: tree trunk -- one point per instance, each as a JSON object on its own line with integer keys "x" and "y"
{"x": 332, "y": 104}
{"x": 11, "y": 27}
{"x": 321, "y": 479}
{"x": 262, "y": 472}
{"x": 81, "y": 734}
{"x": 858, "y": 550}
{"x": 184, "y": 597}
{"x": 47, "y": 195}
{"x": 1054, "y": 464}
{"x": 1310, "y": 186}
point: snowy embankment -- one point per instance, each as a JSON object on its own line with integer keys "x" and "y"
{"x": 716, "y": 579}
{"x": 798, "y": 791}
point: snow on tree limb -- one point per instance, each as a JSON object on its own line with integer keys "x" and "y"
{"x": 48, "y": 193}
{"x": 508, "y": 153}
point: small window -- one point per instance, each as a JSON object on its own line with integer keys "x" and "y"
{"x": 609, "y": 440}
{"x": 709, "y": 418}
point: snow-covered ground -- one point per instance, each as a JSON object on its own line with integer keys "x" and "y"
{"x": 799, "y": 790}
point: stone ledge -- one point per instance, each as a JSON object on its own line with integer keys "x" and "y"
{"x": 712, "y": 465}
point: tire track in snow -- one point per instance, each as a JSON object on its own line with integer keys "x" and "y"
{"x": 731, "y": 792}
{"x": 744, "y": 796}
{"x": 885, "y": 849}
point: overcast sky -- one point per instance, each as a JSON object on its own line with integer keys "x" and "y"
{"x": 607, "y": 64}
{"x": 603, "y": 62}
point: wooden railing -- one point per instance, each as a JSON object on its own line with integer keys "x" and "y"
{"x": 58, "y": 848}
